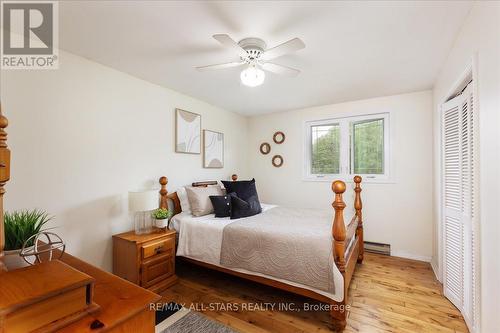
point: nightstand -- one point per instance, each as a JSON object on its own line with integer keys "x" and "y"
{"x": 147, "y": 260}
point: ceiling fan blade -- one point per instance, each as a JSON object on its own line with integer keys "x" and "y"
{"x": 280, "y": 69}
{"x": 287, "y": 47}
{"x": 230, "y": 43}
{"x": 221, "y": 66}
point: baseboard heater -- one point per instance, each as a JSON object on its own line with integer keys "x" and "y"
{"x": 379, "y": 248}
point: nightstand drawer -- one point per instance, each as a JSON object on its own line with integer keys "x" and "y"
{"x": 155, "y": 270}
{"x": 159, "y": 247}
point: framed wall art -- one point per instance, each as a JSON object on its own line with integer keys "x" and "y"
{"x": 187, "y": 132}
{"x": 213, "y": 152}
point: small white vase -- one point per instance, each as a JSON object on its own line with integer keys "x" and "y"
{"x": 161, "y": 223}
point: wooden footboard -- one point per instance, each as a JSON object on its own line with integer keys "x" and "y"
{"x": 341, "y": 236}
{"x": 346, "y": 256}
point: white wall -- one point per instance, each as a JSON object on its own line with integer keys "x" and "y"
{"x": 84, "y": 135}
{"x": 398, "y": 213}
{"x": 480, "y": 38}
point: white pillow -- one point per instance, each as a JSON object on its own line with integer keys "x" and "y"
{"x": 199, "y": 199}
{"x": 183, "y": 198}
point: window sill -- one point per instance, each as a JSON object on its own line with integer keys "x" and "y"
{"x": 349, "y": 180}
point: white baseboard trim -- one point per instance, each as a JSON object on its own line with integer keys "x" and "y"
{"x": 407, "y": 255}
{"x": 435, "y": 269}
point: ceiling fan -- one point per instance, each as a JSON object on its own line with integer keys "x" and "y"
{"x": 255, "y": 55}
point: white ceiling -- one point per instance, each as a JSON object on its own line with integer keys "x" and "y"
{"x": 354, "y": 50}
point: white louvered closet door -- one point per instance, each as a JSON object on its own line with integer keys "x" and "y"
{"x": 459, "y": 226}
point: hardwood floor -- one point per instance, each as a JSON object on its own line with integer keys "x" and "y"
{"x": 387, "y": 294}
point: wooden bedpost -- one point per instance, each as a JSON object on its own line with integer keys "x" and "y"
{"x": 234, "y": 177}
{"x": 338, "y": 229}
{"x": 339, "y": 236}
{"x": 358, "y": 206}
{"x": 4, "y": 177}
{"x": 163, "y": 192}
{"x": 165, "y": 196}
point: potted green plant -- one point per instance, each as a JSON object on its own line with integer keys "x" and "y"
{"x": 20, "y": 226}
{"x": 161, "y": 216}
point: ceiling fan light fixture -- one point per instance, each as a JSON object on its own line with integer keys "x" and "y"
{"x": 252, "y": 76}
{"x": 254, "y": 54}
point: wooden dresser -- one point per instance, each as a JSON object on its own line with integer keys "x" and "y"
{"x": 124, "y": 307}
{"x": 147, "y": 260}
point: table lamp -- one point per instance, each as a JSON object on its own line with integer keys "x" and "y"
{"x": 141, "y": 203}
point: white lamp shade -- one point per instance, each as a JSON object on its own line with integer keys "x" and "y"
{"x": 252, "y": 76}
{"x": 143, "y": 201}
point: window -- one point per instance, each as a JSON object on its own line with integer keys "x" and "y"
{"x": 325, "y": 149}
{"x": 368, "y": 146}
{"x": 343, "y": 147}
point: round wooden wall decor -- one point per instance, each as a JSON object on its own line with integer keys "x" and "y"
{"x": 277, "y": 161}
{"x": 279, "y": 137}
{"x": 265, "y": 148}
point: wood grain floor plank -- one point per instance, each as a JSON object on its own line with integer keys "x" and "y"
{"x": 429, "y": 315}
{"x": 387, "y": 294}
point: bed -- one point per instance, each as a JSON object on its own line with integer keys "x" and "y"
{"x": 260, "y": 248}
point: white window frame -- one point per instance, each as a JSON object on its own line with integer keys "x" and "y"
{"x": 346, "y": 153}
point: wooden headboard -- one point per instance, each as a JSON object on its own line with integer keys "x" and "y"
{"x": 165, "y": 196}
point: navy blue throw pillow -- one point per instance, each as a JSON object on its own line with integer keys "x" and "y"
{"x": 244, "y": 189}
{"x": 222, "y": 205}
{"x": 244, "y": 208}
